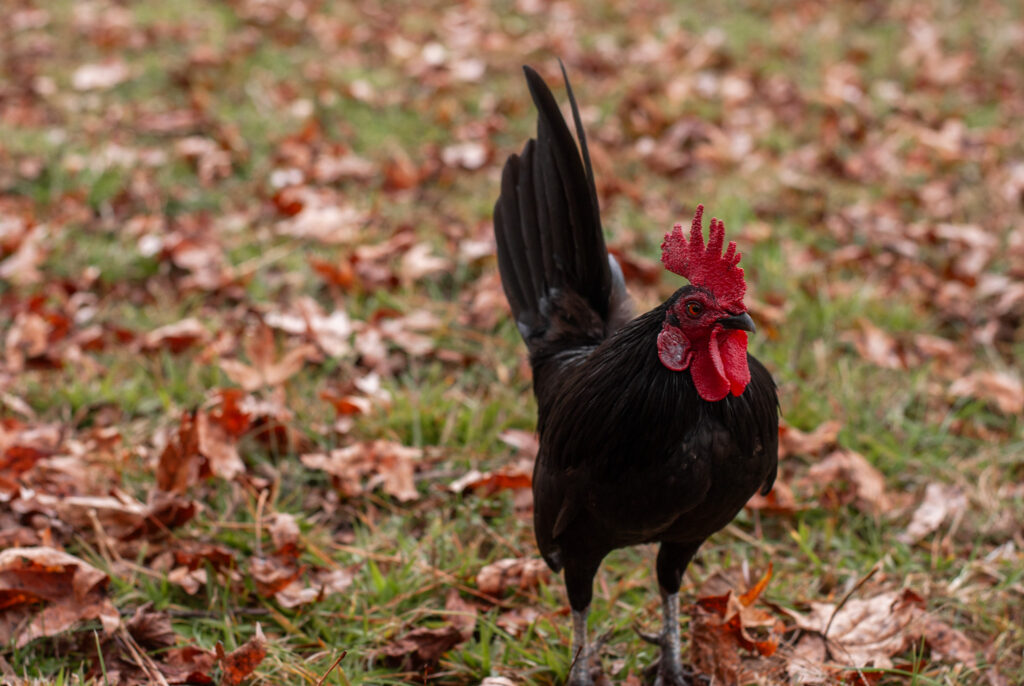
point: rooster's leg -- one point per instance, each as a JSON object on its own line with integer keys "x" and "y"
{"x": 581, "y": 656}
{"x": 579, "y": 583}
{"x": 672, "y": 561}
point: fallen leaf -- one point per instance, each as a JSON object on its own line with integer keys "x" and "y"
{"x": 876, "y": 346}
{"x": 317, "y": 585}
{"x": 1003, "y": 389}
{"x": 419, "y": 261}
{"x": 421, "y": 647}
{"x": 526, "y": 442}
{"x": 187, "y": 665}
{"x": 460, "y": 613}
{"x": 272, "y": 574}
{"x": 867, "y": 632}
{"x": 27, "y": 340}
{"x": 513, "y": 573}
{"x": 22, "y": 267}
{"x": 636, "y": 268}
{"x": 779, "y": 501}
{"x": 723, "y": 624}
{"x": 363, "y": 467}
{"x": 939, "y": 504}
{"x": 468, "y": 155}
{"x": 45, "y": 592}
{"x": 179, "y": 465}
{"x": 793, "y": 441}
{"x": 511, "y": 477}
{"x": 947, "y": 643}
{"x": 517, "y": 620}
{"x": 176, "y": 337}
{"x": 284, "y": 531}
{"x": 118, "y": 516}
{"x": 151, "y": 630}
{"x": 846, "y": 477}
{"x": 101, "y": 76}
{"x": 237, "y": 665}
{"x": 265, "y": 369}
{"x": 331, "y": 332}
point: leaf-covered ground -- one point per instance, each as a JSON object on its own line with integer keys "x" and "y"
{"x": 254, "y": 345}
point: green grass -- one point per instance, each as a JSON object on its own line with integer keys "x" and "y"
{"x": 406, "y": 557}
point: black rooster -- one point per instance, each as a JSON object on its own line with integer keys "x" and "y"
{"x": 653, "y": 429}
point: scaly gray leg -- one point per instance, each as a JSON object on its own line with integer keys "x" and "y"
{"x": 581, "y": 650}
{"x": 670, "y": 668}
{"x": 672, "y": 561}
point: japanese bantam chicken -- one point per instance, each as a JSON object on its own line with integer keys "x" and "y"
{"x": 653, "y": 429}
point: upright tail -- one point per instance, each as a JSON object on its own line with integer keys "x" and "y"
{"x": 565, "y": 290}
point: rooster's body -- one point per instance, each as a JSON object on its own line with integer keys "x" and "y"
{"x": 653, "y": 429}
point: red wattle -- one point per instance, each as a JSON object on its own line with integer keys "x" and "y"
{"x": 733, "y": 348}
{"x": 707, "y": 377}
{"x": 722, "y": 366}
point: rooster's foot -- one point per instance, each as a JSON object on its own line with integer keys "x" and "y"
{"x": 668, "y": 670}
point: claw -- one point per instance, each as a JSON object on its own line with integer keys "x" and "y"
{"x": 653, "y": 639}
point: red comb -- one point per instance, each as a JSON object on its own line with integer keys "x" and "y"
{"x": 704, "y": 266}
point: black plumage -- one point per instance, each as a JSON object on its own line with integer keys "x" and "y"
{"x": 630, "y": 453}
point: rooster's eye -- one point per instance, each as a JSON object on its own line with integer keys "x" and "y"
{"x": 694, "y": 309}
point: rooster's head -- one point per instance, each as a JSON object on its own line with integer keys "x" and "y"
{"x": 706, "y": 326}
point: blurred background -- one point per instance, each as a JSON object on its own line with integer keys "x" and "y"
{"x": 257, "y": 366}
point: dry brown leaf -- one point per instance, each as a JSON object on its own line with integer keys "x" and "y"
{"x": 28, "y": 338}
{"x": 422, "y": 647}
{"x": 484, "y": 304}
{"x": 779, "y": 501}
{"x": 22, "y": 267}
{"x": 180, "y": 466}
{"x": 272, "y": 574}
{"x": 187, "y": 665}
{"x": 100, "y": 76}
{"x": 513, "y": 573}
{"x": 876, "y": 346}
{"x": 324, "y": 221}
{"x": 1003, "y": 389}
{"x": 331, "y": 332}
{"x": 846, "y": 477}
{"x": 363, "y": 467}
{"x": 68, "y": 590}
{"x": 510, "y": 477}
{"x": 319, "y": 584}
{"x": 636, "y": 268}
{"x": 219, "y": 447}
{"x": 151, "y": 630}
{"x": 265, "y": 369}
{"x": 460, "y": 613}
{"x": 793, "y": 441}
{"x": 284, "y": 531}
{"x": 947, "y": 643}
{"x": 517, "y": 620}
{"x": 119, "y": 516}
{"x": 939, "y": 504}
{"x": 526, "y": 442}
{"x": 726, "y": 623}
{"x": 419, "y": 261}
{"x": 871, "y": 631}
{"x": 237, "y": 665}
{"x": 177, "y": 336}
{"x": 469, "y": 155}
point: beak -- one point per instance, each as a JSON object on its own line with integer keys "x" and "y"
{"x": 740, "y": 321}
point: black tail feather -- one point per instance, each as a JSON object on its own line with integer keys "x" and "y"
{"x": 551, "y": 249}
